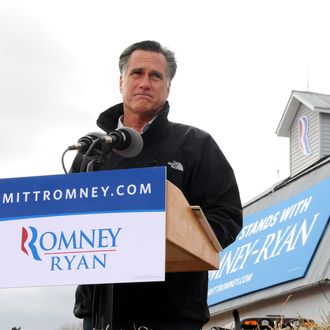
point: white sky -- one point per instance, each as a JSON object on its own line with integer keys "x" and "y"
{"x": 238, "y": 62}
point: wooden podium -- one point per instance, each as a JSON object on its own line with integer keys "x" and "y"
{"x": 191, "y": 244}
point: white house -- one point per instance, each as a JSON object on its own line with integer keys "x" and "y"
{"x": 280, "y": 262}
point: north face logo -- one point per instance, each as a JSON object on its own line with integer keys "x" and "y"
{"x": 176, "y": 165}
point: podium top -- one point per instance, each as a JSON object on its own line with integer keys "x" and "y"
{"x": 191, "y": 244}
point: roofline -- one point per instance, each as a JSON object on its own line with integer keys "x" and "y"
{"x": 233, "y": 306}
{"x": 291, "y": 110}
{"x": 284, "y": 115}
{"x": 283, "y": 183}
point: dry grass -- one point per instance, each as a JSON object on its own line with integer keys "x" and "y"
{"x": 324, "y": 325}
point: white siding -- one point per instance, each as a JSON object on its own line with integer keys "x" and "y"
{"x": 325, "y": 134}
{"x": 299, "y": 161}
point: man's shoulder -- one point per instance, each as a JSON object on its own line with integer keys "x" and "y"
{"x": 188, "y": 130}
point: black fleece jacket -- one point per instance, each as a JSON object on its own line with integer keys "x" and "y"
{"x": 196, "y": 165}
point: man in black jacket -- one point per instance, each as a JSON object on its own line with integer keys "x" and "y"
{"x": 195, "y": 164}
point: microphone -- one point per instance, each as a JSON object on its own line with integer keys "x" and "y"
{"x": 86, "y": 141}
{"x": 126, "y": 142}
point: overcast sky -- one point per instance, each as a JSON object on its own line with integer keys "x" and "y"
{"x": 238, "y": 62}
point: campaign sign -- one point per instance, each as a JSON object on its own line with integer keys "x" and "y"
{"x": 274, "y": 246}
{"x": 80, "y": 228}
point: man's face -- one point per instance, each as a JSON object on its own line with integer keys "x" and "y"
{"x": 144, "y": 84}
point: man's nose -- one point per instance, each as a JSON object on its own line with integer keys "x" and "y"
{"x": 145, "y": 82}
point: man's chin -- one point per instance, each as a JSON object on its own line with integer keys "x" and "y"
{"x": 143, "y": 106}
{"x": 147, "y": 111}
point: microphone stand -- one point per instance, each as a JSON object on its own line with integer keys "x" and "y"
{"x": 102, "y": 308}
{"x": 102, "y": 303}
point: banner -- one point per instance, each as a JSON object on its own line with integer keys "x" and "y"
{"x": 95, "y": 227}
{"x": 274, "y": 246}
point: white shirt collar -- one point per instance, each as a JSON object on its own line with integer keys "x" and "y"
{"x": 144, "y": 128}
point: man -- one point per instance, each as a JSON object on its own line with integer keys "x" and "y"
{"x": 194, "y": 163}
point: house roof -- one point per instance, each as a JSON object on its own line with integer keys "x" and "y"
{"x": 314, "y": 101}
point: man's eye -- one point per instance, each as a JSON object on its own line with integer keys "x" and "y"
{"x": 156, "y": 75}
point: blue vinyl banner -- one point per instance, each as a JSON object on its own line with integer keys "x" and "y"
{"x": 275, "y": 245}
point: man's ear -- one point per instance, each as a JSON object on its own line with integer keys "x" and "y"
{"x": 121, "y": 84}
{"x": 168, "y": 89}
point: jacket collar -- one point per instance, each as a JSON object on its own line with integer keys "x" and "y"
{"x": 108, "y": 120}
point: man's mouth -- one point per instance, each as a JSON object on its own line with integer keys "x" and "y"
{"x": 139, "y": 95}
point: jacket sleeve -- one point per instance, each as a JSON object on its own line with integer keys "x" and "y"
{"x": 214, "y": 188}
{"x": 83, "y": 301}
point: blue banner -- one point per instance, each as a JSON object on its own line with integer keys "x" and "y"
{"x": 274, "y": 246}
{"x": 139, "y": 189}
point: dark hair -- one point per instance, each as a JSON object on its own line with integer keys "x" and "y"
{"x": 152, "y": 46}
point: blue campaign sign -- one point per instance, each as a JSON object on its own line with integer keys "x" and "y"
{"x": 118, "y": 190}
{"x": 274, "y": 246}
{"x": 83, "y": 228}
